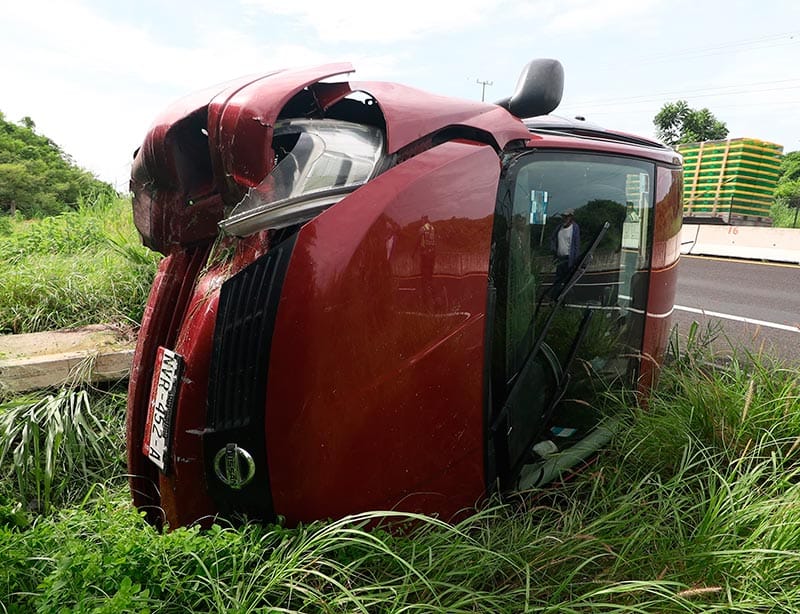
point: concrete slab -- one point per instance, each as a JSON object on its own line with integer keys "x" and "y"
{"x": 54, "y": 358}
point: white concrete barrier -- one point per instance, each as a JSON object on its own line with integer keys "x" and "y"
{"x": 748, "y": 242}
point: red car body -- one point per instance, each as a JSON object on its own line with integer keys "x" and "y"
{"x": 325, "y": 369}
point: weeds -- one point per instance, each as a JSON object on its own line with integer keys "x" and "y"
{"x": 81, "y": 267}
{"x": 57, "y": 445}
{"x": 700, "y": 540}
{"x": 674, "y": 517}
{"x": 784, "y": 216}
{"x": 66, "y": 233}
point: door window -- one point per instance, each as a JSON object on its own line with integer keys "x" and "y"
{"x": 561, "y": 202}
{"x": 572, "y": 254}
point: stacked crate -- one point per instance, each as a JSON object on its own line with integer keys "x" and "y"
{"x": 730, "y": 181}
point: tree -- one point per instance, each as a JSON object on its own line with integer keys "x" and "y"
{"x": 36, "y": 176}
{"x": 789, "y": 192}
{"x": 677, "y": 123}
{"x": 790, "y": 167}
{"x": 15, "y": 186}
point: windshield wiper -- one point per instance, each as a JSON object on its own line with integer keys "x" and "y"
{"x": 528, "y": 364}
{"x": 561, "y": 387}
{"x": 577, "y": 273}
{"x": 582, "y": 266}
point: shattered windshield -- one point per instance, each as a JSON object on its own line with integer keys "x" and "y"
{"x": 314, "y": 159}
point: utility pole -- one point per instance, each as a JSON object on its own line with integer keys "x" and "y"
{"x": 483, "y": 85}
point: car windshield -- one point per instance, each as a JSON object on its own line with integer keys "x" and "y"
{"x": 314, "y": 158}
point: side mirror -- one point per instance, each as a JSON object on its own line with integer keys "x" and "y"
{"x": 538, "y": 91}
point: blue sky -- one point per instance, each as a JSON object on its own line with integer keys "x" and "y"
{"x": 94, "y": 74}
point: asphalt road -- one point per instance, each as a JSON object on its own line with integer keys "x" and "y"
{"x": 756, "y": 303}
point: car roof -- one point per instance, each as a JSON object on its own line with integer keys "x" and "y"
{"x": 577, "y": 133}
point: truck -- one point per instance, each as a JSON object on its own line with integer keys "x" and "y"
{"x": 363, "y": 302}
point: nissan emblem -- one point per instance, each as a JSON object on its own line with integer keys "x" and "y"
{"x": 234, "y": 466}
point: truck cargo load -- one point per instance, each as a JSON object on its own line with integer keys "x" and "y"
{"x": 730, "y": 181}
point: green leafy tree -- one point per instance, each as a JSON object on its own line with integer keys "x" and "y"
{"x": 37, "y": 177}
{"x": 787, "y": 192}
{"x": 15, "y": 185}
{"x": 790, "y": 167}
{"x": 677, "y": 123}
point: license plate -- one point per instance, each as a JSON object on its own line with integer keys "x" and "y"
{"x": 161, "y": 409}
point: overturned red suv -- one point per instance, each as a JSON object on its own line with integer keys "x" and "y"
{"x": 378, "y": 298}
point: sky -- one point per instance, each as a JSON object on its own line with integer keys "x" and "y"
{"x": 94, "y": 74}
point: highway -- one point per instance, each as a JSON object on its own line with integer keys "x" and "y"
{"x": 757, "y": 303}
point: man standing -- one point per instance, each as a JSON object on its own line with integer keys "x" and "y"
{"x": 427, "y": 248}
{"x": 565, "y": 244}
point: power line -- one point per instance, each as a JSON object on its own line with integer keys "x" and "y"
{"x": 748, "y": 44}
{"x": 658, "y": 98}
{"x": 693, "y": 92}
{"x": 627, "y": 110}
{"x": 756, "y": 43}
{"x": 635, "y": 105}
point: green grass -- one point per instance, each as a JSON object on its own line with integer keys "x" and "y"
{"x": 783, "y": 216}
{"x": 695, "y": 507}
{"x": 77, "y": 268}
{"x": 55, "y": 446}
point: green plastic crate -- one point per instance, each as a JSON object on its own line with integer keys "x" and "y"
{"x": 732, "y": 179}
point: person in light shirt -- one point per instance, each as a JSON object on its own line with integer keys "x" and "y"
{"x": 565, "y": 245}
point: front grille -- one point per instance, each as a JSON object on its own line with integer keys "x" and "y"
{"x": 248, "y": 306}
{"x": 243, "y": 332}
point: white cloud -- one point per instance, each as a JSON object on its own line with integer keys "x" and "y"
{"x": 588, "y": 16}
{"x": 73, "y": 38}
{"x": 368, "y": 21}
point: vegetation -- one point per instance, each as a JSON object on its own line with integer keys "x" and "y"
{"x": 783, "y": 215}
{"x": 677, "y": 123}
{"x": 80, "y": 267}
{"x": 692, "y": 509}
{"x": 787, "y": 193}
{"x": 37, "y": 177}
{"x": 59, "y": 445}
{"x": 790, "y": 167}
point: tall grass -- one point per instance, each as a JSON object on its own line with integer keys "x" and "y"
{"x": 701, "y": 540}
{"x": 80, "y": 267}
{"x": 695, "y": 507}
{"x": 55, "y": 446}
{"x": 784, "y": 216}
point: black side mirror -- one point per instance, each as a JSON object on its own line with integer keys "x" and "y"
{"x": 538, "y": 91}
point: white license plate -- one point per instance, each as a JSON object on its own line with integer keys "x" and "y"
{"x": 161, "y": 409}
